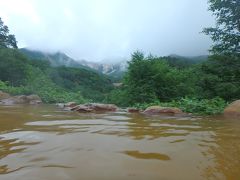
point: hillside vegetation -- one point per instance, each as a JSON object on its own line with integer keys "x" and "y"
{"x": 21, "y": 75}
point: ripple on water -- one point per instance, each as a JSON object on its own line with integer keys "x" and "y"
{"x": 141, "y": 155}
{"x": 117, "y": 118}
{"x": 43, "y": 142}
{"x": 74, "y": 122}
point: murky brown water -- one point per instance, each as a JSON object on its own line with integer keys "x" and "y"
{"x": 45, "y": 143}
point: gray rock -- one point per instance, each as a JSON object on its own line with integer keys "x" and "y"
{"x": 168, "y": 111}
{"x": 22, "y": 99}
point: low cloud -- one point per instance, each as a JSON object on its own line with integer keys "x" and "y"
{"x": 103, "y": 29}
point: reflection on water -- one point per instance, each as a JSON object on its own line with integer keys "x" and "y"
{"x": 43, "y": 142}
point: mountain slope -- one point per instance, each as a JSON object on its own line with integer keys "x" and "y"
{"x": 55, "y": 59}
{"x": 191, "y": 59}
{"x": 53, "y": 84}
{"x": 61, "y": 59}
{"x": 114, "y": 70}
{"x": 184, "y": 61}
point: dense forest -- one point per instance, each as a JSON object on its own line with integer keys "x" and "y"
{"x": 194, "y": 85}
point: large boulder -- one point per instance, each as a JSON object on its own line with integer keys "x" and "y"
{"x": 101, "y": 107}
{"x": 91, "y": 107}
{"x": 22, "y": 99}
{"x": 34, "y": 99}
{"x": 158, "y": 110}
{"x": 233, "y": 109}
{"x": 8, "y": 101}
{"x": 4, "y": 95}
{"x": 82, "y": 109}
{"x": 133, "y": 110}
{"x": 70, "y": 104}
{"x": 15, "y": 100}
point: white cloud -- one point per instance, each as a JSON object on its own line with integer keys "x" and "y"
{"x": 98, "y": 29}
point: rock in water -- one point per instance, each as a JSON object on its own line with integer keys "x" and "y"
{"x": 233, "y": 109}
{"x": 101, "y": 107}
{"x": 70, "y": 104}
{"x": 133, "y": 110}
{"x": 22, "y": 99}
{"x": 4, "y": 95}
{"x": 158, "y": 110}
{"x": 34, "y": 99}
{"x": 91, "y": 107}
{"x": 81, "y": 109}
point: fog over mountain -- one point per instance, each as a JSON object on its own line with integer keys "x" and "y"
{"x": 98, "y": 30}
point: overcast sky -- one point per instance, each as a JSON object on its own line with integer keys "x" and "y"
{"x": 103, "y": 29}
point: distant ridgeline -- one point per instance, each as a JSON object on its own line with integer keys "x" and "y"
{"x": 114, "y": 70}
{"x": 184, "y": 61}
{"x": 55, "y": 59}
{"x": 55, "y": 78}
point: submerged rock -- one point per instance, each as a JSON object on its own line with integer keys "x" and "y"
{"x": 158, "y": 110}
{"x": 233, "y": 109}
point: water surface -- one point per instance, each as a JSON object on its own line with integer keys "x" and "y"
{"x": 44, "y": 142}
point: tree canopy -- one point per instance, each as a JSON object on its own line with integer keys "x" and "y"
{"x": 226, "y": 34}
{"x": 6, "y": 40}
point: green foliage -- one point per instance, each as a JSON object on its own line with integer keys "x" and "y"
{"x": 55, "y": 59}
{"x": 13, "y": 67}
{"x": 155, "y": 81}
{"x": 118, "y": 96}
{"x": 153, "y": 78}
{"x": 220, "y": 76}
{"x": 92, "y": 85}
{"x": 180, "y": 62}
{"x": 200, "y": 106}
{"x": 138, "y": 80}
{"x": 191, "y": 105}
{"x": 6, "y": 40}
{"x": 19, "y": 75}
{"x": 39, "y": 83}
{"x": 226, "y": 34}
{"x": 43, "y": 65}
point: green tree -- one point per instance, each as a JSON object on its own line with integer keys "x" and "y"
{"x": 221, "y": 77}
{"x": 152, "y": 79}
{"x": 226, "y": 34}
{"x": 220, "y": 74}
{"x": 6, "y": 40}
{"x": 139, "y": 79}
{"x": 13, "y": 67}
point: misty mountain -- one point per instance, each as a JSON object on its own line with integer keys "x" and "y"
{"x": 191, "y": 59}
{"x": 115, "y": 70}
{"x": 184, "y": 61}
{"x": 55, "y": 59}
{"x": 60, "y": 59}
